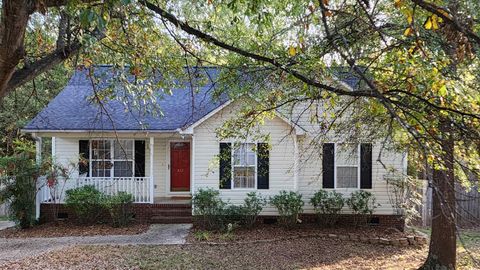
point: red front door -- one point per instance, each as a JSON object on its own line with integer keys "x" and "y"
{"x": 180, "y": 166}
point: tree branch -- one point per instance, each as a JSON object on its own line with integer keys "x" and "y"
{"x": 210, "y": 39}
{"x": 448, "y": 19}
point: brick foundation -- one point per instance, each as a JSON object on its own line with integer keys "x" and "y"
{"x": 144, "y": 213}
{"x": 346, "y": 220}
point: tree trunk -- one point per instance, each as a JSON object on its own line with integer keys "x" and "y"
{"x": 442, "y": 250}
{"x": 15, "y": 16}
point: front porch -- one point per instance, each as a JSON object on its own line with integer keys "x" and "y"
{"x": 158, "y": 168}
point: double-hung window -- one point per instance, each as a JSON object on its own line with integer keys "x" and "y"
{"x": 347, "y": 168}
{"x": 244, "y": 166}
{"x": 112, "y": 158}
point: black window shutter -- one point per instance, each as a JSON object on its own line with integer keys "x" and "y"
{"x": 366, "y": 165}
{"x": 225, "y": 166}
{"x": 139, "y": 158}
{"x": 328, "y": 165}
{"x": 263, "y": 156}
{"x": 83, "y": 151}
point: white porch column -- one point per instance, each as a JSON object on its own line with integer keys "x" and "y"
{"x": 152, "y": 140}
{"x": 54, "y": 148}
{"x": 192, "y": 170}
{"x": 38, "y": 160}
{"x": 38, "y": 150}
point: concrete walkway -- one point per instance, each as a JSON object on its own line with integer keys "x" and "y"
{"x": 6, "y": 224}
{"x": 158, "y": 234}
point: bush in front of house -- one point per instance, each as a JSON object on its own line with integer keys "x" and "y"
{"x": 327, "y": 205}
{"x": 289, "y": 205}
{"x": 86, "y": 202}
{"x": 252, "y": 206}
{"x": 119, "y": 207}
{"x": 208, "y": 209}
{"x": 214, "y": 214}
{"x": 362, "y": 203}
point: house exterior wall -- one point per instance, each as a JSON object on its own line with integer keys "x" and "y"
{"x": 282, "y": 156}
{"x": 206, "y": 149}
{"x": 205, "y": 166}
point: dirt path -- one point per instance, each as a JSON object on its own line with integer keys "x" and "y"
{"x": 158, "y": 234}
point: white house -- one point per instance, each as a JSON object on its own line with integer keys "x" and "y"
{"x": 161, "y": 158}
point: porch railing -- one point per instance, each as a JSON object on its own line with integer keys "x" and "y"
{"x": 139, "y": 187}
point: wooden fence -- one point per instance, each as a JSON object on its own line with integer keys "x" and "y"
{"x": 468, "y": 206}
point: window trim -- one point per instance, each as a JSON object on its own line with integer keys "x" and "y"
{"x": 112, "y": 157}
{"x": 358, "y": 165}
{"x": 232, "y": 162}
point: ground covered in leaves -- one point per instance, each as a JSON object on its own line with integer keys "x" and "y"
{"x": 274, "y": 231}
{"x": 62, "y": 229}
{"x": 298, "y": 253}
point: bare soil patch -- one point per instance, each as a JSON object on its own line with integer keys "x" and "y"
{"x": 63, "y": 229}
{"x": 274, "y": 231}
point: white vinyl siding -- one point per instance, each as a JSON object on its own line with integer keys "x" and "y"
{"x": 280, "y": 157}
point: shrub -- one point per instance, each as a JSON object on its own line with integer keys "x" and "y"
{"x": 18, "y": 183}
{"x": 252, "y": 206}
{"x": 362, "y": 203}
{"x": 86, "y": 202}
{"x": 328, "y": 204}
{"x": 120, "y": 208}
{"x": 289, "y": 205}
{"x": 209, "y": 208}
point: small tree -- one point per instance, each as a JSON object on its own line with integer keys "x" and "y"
{"x": 57, "y": 175}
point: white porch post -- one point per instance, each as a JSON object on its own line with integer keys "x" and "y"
{"x": 152, "y": 140}
{"x": 38, "y": 159}
{"x": 38, "y": 150}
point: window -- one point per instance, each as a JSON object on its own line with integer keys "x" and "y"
{"x": 347, "y": 165}
{"x": 244, "y": 166}
{"x": 112, "y": 158}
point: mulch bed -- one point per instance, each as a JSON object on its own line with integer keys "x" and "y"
{"x": 274, "y": 231}
{"x": 305, "y": 253}
{"x": 64, "y": 228}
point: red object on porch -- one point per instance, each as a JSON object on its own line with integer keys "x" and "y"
{"x": 180, "y": 166}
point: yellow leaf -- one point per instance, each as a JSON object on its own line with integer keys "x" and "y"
{"x": 292, "y": 51}
{"x": 409, "y": 14}
{"x": 87, "y": 62}
{"x": 397, "y": 3}
{"x": 428, "y": 24}
{"x": 408, "y": 31}
{"x": 434, "y": 19}
{"x": 409, "y": 18}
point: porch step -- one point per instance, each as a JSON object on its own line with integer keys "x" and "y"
{"x": 171, "y": 219}
{"x": 172, "y": 212}
{"x": 172, "y": 206}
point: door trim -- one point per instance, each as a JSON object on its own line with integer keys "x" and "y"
{"x": 168, "y": 182}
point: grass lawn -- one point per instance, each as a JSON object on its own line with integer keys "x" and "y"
{"x": 303, "y": 253}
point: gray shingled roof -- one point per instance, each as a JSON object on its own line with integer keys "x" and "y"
{"x": 73, "y": 108}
